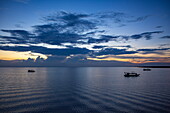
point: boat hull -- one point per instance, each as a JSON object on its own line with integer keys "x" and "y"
{"x": 132, "y": 75}
{"x": 146, "y": 69}
{"x": 31, "y": 71}
{"x": 127, "y": 74}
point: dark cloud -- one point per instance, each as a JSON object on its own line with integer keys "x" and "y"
{"x": 94, "y": 40}
{"x": 159, "y": 49}
{"x": 98, "y": 47}
{"x": 18, "y": 37}
{"x": 103, "y": 38}
{"x": 94, "y": 32}
{"x": 40, "y": 29}
{"x": 62, "y": 52}
{"x": 64, "y": 16}
{"x": 146, "y": 35}
{"x": 47, "y": 51}
{"x": 165, "y": 37}
{"x": 12, "y": 40}
{"x": 114, "y": 51}
{"x": 48, "y": 34}
{"x": 56, "y": 38}
{"x": 127, "y": 46}
{"x": 64, "y": 27}
{"x": 107, "y": 38}
{"x": 158, "y": 26}
{"x": 18, "y": 33}
{"x": 18, "y": 48}
{"x": 154, "y": 51}
{"x": 66, "y": 20}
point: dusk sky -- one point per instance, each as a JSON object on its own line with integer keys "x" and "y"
{"x": 84, "y": 32}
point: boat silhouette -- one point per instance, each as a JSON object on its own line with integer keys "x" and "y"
{"x": 146, "y": 69}
{"x": 31, "y": 70}
{"x": 132, "y": 74}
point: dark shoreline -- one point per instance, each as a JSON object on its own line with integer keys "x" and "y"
{"x": 154, "y": 66}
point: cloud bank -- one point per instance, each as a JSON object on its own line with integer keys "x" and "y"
{"x": 66, "y": 30}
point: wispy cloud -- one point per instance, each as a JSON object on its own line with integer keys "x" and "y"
{"x": 138, "y": 19}
{"x": 146, "y": 35}
{"x": 119, "y": 18}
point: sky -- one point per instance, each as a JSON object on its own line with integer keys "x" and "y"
{"x": 84, "y": 32}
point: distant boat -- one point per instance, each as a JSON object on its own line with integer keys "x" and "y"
{"x": 146, "y": 69}
{"x": 31, "y": 70}
{"x": 132, "y": 74}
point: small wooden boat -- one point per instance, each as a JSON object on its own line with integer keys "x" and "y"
{"x": 146, "y": 69}
{"x": 132, "y": 74}
{"x": 31, "y": 70}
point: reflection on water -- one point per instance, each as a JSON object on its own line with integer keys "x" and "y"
{"x": 83, "y": 90}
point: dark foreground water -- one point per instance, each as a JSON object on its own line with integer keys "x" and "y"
{"x": 84, "y": 90}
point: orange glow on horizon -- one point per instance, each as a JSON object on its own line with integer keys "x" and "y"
{"x": 147, "y": 58}
{"x": 110, "y": 59}
{"x": 11, "y": 55}
{"x": 132, "y": 58}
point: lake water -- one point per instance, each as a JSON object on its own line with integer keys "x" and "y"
{"x": 84, "y": 90}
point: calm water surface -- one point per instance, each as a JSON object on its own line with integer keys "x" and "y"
{"x": 84, "y": 90}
